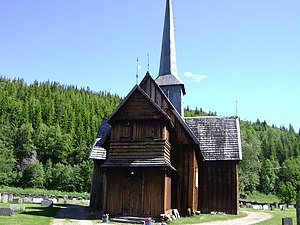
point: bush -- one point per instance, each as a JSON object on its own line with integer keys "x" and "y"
{"x": 286, "y": 192}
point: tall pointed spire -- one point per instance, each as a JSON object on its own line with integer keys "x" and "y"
{"x": 168, "y": 78}
{"x": 168, "y": 53}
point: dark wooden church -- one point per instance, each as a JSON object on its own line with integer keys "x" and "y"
{"x": 148, "y": 158}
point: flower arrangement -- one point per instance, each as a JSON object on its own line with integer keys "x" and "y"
{"x": 148, "y": 219}
{"x": 104, "y": 215}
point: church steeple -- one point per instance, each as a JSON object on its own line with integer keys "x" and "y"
{"x": 168, "y": 78}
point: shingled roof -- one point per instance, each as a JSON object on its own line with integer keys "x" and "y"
{"x": 219, "y": 137}
{"x": 98, "y": 152}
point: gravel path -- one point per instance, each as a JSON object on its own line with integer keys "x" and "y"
{"x": 251, "y": 218}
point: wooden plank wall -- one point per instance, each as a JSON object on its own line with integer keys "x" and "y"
{"x": 153, "y": 192}
{"x": 98, "y": 187}
{"x": 218, "y": 187}
{"x": 184, "y": 193}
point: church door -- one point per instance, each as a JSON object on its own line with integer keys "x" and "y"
{"x": 132, "y": 196}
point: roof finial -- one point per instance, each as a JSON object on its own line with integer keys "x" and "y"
{"x": 137, "y": 70}
{"x": 148, "y": 62}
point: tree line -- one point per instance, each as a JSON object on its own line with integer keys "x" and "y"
{"x": 47, "y": 131}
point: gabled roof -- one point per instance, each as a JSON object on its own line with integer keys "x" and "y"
{"x": 140, "y": 90}
{"x": 219, "y": 137}
{"x": 171, "y": 106}
{"x": 98, "y": 152}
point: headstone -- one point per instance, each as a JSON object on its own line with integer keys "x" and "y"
{"x": 265, "y": 207}
{"x": 291, "y": 207}
{"x": 257, "y": 207}
{"x": 37, "y": 200}
{"x": 65, "y": 199}
{"x": 0, "y": 197}
{"x": 25, "y": 200}
{"x": 5, "y": 212}
{"x": 75, "y": 201}
{"x": 287, "y": 221}
{"x": 17, "y": 207}
{"x": 5, "y": 198}
{"x": 298, "y": 208}
{"x": 15, "y": 200}
{"x": 46, "y": 203}
{"x": 10, "y": 197}
{"x": 283, "y": 207}
{"x": 248, "y": 205}
{"x": 54, "y": 200}
{"x": 86, "y": 202}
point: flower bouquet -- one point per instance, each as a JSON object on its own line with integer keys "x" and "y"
{"x": 104, "y": 217}
{"x": 148, "y": 221}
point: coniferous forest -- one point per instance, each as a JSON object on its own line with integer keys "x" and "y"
{"x": 47, "y": 131}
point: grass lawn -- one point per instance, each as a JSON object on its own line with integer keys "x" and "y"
{"x": 204, "y": 218}
{"x": 34, "y": 214}
{"x": 277, "y": 216}
{"x": 260, "y": 197}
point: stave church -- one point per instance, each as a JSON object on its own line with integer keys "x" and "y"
{"x": 149, "y": 158}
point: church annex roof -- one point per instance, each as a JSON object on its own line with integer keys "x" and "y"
{"x": 98, "y": 152}
{"x": 219, "y": 137}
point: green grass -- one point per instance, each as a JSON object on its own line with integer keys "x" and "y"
{"x": 203, "y": 218}
{"x": 34, "y": 214}
{"x": 17, "y": 190}
{"x": 260, "y": 197}
{"x": 277, "y": 216}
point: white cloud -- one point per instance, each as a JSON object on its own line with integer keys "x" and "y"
{"x": 195, "y": 77}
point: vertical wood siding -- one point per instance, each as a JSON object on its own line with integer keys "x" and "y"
{"x": 218, "y": 188}
{"x": 137, "y": 192}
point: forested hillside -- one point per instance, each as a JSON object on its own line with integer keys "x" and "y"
{"x": 271, "y": 160}
{"x": 47, "y": 131}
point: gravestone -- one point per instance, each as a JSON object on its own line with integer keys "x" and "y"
{"x": 0, "y": 197}
{"x": 46, "y": 203}
{"x": 5, "y": 212}
{"x": 298, "y": 208}
{"x": 37, "y": 200}
{"x": 86, "y": 202}
{"x": 287, "y": 221}
{"x": 10, "y": 197}
{"x": 65, "y": 199}
{"x": 17, "y": 207}
{"x": 54, "y": 200}
{"x": 26, "y": 200}
{"x": 265, "y": 207}
{"x": 15, "y": 200}
{"x": 5, "y": 198}
{"x": 75, "y": 201}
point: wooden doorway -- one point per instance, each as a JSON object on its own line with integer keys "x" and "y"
{"x": 132, "y": 196}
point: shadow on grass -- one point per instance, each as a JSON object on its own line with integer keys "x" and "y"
{"x": 60, "y": 211}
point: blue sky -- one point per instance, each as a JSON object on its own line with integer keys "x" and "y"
{"x": 246, "y": 51}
